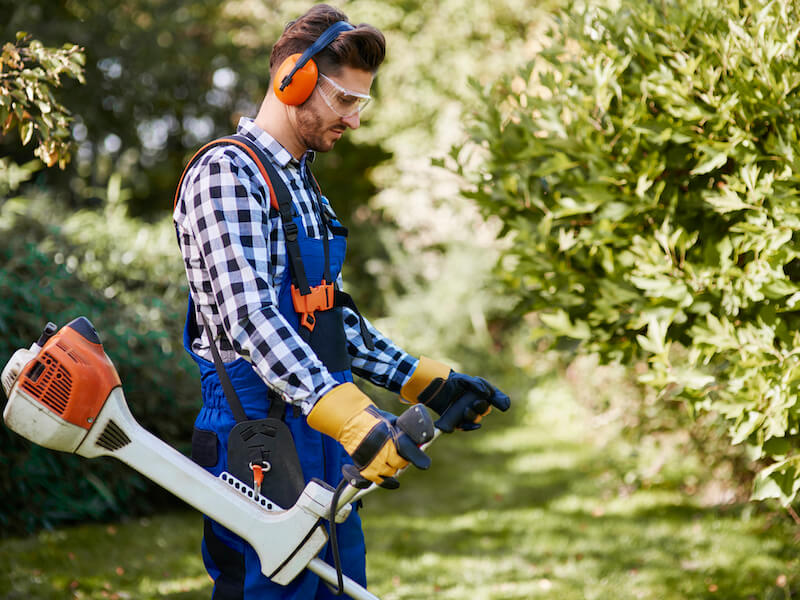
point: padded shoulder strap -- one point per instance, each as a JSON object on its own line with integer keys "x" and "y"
{"x": 237, "y": 141}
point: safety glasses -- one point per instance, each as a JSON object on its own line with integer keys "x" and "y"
{"x": 342, "y": 101}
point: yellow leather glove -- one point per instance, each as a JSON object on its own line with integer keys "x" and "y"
{"x": 427, "y": 371}
{"x": 460, "y": 400}
{"x": 348, "y": 415}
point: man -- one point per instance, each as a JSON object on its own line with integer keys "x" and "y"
{"x": 253, "y": 266}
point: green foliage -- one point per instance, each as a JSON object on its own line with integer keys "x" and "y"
{"x": 47, "y": 274}
{"x": 12, "y": 174}
{"x": 150, "y": 96}
{"x": 49, "y": 271}
{"x": 644, "y": 169}
{"x": 28, "y": 71}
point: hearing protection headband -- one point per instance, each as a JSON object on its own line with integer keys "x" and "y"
{"x": 330, "y": 34}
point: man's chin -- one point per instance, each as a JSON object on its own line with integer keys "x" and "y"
{"x": 324, "y": 145}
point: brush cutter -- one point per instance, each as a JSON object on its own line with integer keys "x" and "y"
{"x": 65, "y": 394}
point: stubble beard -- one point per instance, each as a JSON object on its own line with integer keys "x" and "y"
{"x": 310, "y": 129}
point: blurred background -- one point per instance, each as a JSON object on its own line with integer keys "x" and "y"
{"x": 593, "y": 205}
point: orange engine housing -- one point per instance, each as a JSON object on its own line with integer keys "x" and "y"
{"x": 71, "y": 375}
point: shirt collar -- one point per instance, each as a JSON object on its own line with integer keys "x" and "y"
{"x": 273, "y": 148}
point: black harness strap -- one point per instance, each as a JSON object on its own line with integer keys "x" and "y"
{"x": 224, "y": 380}
{"x": 283, "y": 199}
{"x": 341, "y": 298}
{"x": 324, "y": 219}
{"x": 286, "y": 210}
{"x": 277, "y": 408}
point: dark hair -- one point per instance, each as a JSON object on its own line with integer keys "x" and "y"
{"x": 361, "y": 48}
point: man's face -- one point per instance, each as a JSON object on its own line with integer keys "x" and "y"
{"x": 318, "y": 126}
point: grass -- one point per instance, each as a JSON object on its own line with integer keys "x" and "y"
{"x": 145, "y": 558}
{"x": 532, "y": 506}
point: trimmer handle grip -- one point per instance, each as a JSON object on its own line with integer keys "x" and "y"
{"x": 416, "y": 428}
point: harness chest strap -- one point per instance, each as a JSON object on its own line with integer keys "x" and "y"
{"x": 326, "y": 296}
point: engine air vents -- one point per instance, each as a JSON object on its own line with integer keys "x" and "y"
{"x": 113, "y": 438}
{"x": 49, "y": 382}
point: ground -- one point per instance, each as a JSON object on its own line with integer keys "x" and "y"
{"x": 537, "y": 504}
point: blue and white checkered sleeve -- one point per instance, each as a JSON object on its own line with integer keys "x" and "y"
{"x": 232, "y": 231}
{"x": 387, "y": 365}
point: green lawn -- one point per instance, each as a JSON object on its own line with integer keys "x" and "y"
{"x": 532, "y": 506}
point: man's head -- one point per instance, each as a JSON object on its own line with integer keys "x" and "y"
{"x": 346, "y": 66}
{"x": 362, "y": 48}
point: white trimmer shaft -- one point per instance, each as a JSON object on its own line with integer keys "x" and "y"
{"x": 285, "y": 541}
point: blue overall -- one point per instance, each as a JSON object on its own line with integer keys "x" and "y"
{"x": 231, "y": 562}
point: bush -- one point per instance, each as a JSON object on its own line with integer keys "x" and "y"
{"x": 55, "y": 266}
{"x": 42, "y": 488}
{"x": 644, "y": 170}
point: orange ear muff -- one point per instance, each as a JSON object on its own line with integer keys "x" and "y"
{"x": 302, "y": 83}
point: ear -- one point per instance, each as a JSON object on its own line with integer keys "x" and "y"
{"x": 301, "y": 84}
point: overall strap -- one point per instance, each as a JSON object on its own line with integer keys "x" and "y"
{"x": 305, "y": 173}
{"x": 277, "y": 405}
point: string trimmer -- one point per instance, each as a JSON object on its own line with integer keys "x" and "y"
{"x": 65, "y": 394}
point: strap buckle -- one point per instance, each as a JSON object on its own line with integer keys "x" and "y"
{"x": 290, "y": 229}
{"x": 321, "y": 297}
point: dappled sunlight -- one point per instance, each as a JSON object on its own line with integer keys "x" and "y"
{"x": 523, "y": 511}
{"x": 170, "y": 587}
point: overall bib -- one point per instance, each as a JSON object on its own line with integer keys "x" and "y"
{"x": 230, "y": 561}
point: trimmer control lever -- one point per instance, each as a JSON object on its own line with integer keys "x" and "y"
{"x": 417, "y": 424}
{"x": 416, "y": 427}
{"x": 354, "y": 478}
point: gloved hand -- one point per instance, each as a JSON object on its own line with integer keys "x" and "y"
{"x": 369, "y": 437}
{"x": 460, "y": 400}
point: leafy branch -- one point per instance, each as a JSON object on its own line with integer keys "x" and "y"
{"x": 28, "y": 73}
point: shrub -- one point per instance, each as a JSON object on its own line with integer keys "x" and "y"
{"x": 644, "y": 168}
{"x": 56, "y": 266}
{"x": 44, "y": 275}
{"x": 28, "y": 71}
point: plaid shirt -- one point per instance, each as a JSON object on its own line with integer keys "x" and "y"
{"x": 235, "y": 258}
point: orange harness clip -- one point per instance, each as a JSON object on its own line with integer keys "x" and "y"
{"x": 320, "y": 298}
{"x": 258, "y": 476}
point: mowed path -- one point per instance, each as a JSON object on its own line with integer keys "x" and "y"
{"x": 534, "y": 506}
{"x": 531, "y": 506}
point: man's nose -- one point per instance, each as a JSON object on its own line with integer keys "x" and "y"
{"x": 353, "y": 121}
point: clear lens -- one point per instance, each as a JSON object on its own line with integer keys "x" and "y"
{"x": 342, "y": 101}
